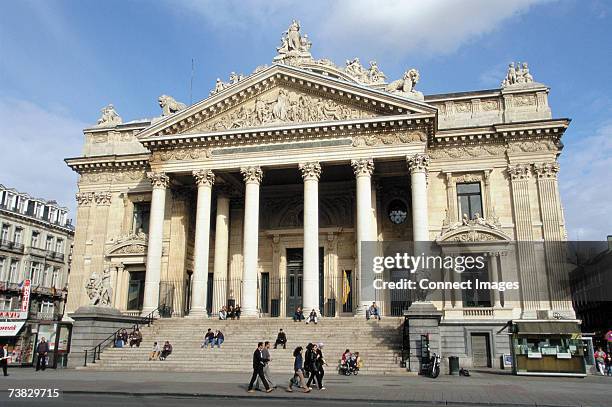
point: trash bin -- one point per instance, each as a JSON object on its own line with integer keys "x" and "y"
{"x": 453, "y": 365}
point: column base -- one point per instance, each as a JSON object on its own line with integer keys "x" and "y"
{"x": 249, "y": 313}
{"x": 197, "y": 313}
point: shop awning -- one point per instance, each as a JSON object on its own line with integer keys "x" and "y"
{"x": 547, "y": 328}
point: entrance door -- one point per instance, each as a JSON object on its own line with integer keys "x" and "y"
{"x": 136, "y": 291}
{"x": 481, "y": 350}
{"x": 295, "y": 276}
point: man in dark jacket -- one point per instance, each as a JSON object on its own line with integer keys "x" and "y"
{"x": 281, "y": 339}
{"x": 258, "y": 365}
{"x": 42, "y": 351}
{"x": 4, "y": 355}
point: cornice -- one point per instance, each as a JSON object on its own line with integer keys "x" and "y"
{"x": 106, "y": 162}
{"x": 306, "y": 129}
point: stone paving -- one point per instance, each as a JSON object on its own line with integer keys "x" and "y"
{"x": 479, "y": 389}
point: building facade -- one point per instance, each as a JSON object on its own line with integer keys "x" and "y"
{"x": 261, "y": 195}
{"x": 35, "y": 243}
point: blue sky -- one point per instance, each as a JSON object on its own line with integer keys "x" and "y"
{"x": 61, "y": 61}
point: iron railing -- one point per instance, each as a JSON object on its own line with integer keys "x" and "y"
{"x": 96, "y": 351}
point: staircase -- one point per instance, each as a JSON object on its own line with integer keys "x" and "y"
{"x": 378, "y": 342}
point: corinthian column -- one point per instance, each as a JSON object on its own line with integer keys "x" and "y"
{"x": 199, "y": 287}
{"x": 252, "y": 178}
{"x": 417, "y": 164}
{"x": 311, "y": 173}
{"x": 221, "y": 252}
{"x": 160, "y": 183}
{"x": 363, "y": 172}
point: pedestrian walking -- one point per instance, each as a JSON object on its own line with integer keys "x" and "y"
{"x": 4, "y": 356}
{"x": 600, "y": 360}
{"x": 265, "y": 352}
{"x": 315, "y": 363}
{"x": 258, "y": 365}
{"x": 42, "y": 350}
{"x": 298, "y": 372}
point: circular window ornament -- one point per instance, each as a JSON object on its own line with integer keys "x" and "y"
{"x": 398, "y": 212}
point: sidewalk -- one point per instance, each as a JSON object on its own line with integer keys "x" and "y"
{"x": 481, "y": 388}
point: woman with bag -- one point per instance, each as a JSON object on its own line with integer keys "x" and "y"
{"x": 298, "y": 375}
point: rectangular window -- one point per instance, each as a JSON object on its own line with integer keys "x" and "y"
{"x": 3, "y": 269}
{"x": 46, "y": 307}
{"x": 49, "y": 243}
{"x": 4, "y": 234}
{"x": 14, "y": 271}
{"x": 5, "y": 303}
{"x": 55, "y": 278}
{"x": 35, "y": 236}
{"x": 17, "y": 236}
{"x": 140, "y": 221}
{"x": 469, "y": 199}
{"x": 59, "y": 246}
{"x": 476, "y": 297}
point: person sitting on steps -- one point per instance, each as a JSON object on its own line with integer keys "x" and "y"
{"x": 238, "y": 311}
{"x": 166, "y": 351}
{"x": 209, "y": 338}
{"x": 218, "y": 340}
{"x": 231, "y": 313}
{"x": 135, "y": 338}
{"x": 281, "y": 339}
{"x": 373, "y": 312}
{"x": 312, "y": 317}
{"x": 298, "y": 315}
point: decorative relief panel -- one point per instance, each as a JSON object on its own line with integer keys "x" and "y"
{"x": 490, "y": 105}
{"x": 532, "y": 146}
{"x": 459, "y": 152}
{"x": 404, "y": 137}
{"x": 111, "y": 176}
{"x": 181, "y": 154}
{"x": 281, "y": 106}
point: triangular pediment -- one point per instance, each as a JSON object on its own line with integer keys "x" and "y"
{"x": 282, "y": 95}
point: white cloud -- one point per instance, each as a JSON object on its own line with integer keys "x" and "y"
{"x": 358, "y": 26}
{"x": 34, "y": 143}
{"x": 585, "y": 185}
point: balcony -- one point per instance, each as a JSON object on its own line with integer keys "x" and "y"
{"x": 11, "y": 246}
{"x": 45, "y": 316}
{"x": 476, "y": 313}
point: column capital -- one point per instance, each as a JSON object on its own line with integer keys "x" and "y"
{"x": 546, "y": 170}
{"x": 363, "y": 168}
{"x": 310, "y": 170}
{"x": 158, "y": 179}
{"x": 519, "y": 172}
{"x": 252, "y": 175}
{"x": 418, "y": 162}
{"x": 204, "y": 178}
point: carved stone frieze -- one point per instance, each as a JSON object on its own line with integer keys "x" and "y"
{"x": 99, "y": 288}
{"x": 311, "y": 170}
{"x": 111, "y": 176}
{"x": 281, "y": 105}
{"x": 404, "y": 137}
{"x": 84, "y": 198}
{"x": 467, "y": 178}
{"x": 467, "y": 152}
{"x": 546, "y": 170}
{"x": 204, "y": 178}
{"x": 490, "y": 105}
{"x": 472, "y": 236}
{"x": 139, "y": 236}
{"x": 530, "y": 146}
{"x": 524, "y": 100}
{"x": 519, "y": 172}
{"x": 363, "y": 168}
{"x": 181, "y": 154}
{"x": 418, "y": 162}
{"x": 131, "y": 249}
{"x": 102, "y": 198}
{"x": 158, "y": 179}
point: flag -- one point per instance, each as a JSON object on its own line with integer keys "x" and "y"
{"x": 20, "y": 284}
{"x": 346, "y": 287}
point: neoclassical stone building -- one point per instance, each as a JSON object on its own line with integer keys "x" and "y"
{"x": 260, "y": 194}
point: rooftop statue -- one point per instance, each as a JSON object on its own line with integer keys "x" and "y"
{"x": 406, "y": 85}
{"x": 169, "y": 105}
{"x": 517, "y": 75}
{"x": 109, "y": 117}
{"x": 293, "y": 44}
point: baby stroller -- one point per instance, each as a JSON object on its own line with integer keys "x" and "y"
{"x": 349, "y": 367}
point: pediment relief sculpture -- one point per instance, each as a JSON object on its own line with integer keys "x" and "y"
{"x": 281, "y": 105}
{"x": 131, "y": 243}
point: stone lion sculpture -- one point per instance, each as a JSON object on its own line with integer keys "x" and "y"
{"x": 169, "y": 105}
{"x": 406, "y": 85}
